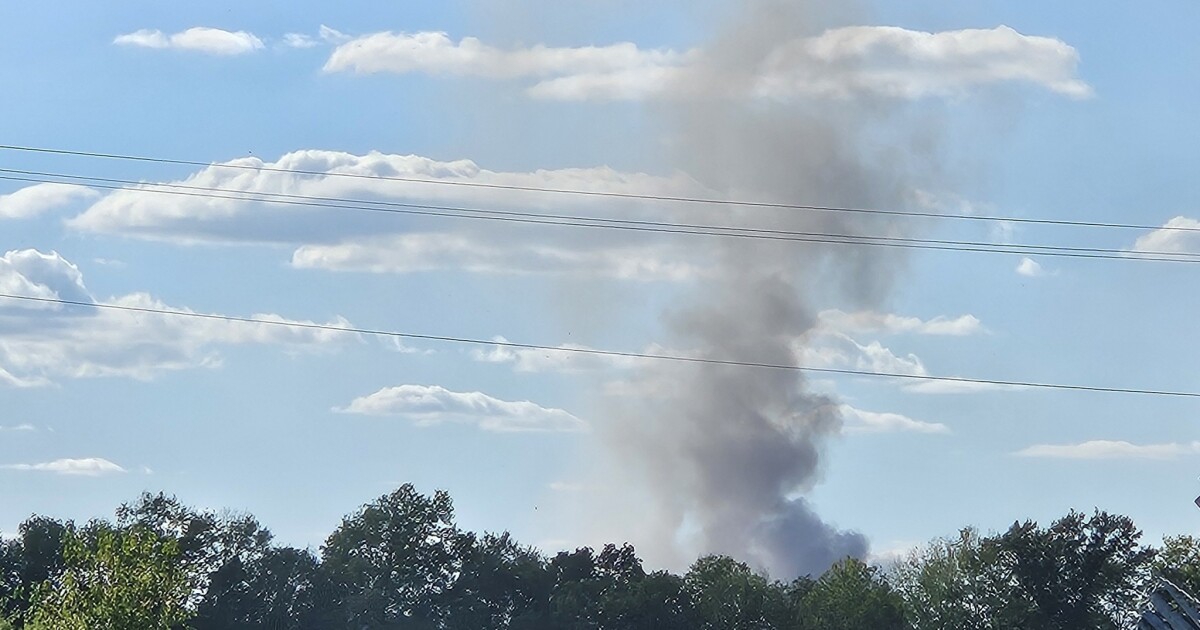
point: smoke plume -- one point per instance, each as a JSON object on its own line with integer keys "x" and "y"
{"x": 725, "y": 455}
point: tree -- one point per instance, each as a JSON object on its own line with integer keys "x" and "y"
{"x": 946, "y": 585}
{"x": 281, "y": 589}
{"x": 114, "y": 579}
{"x": 1078, "y": 573}
{"x": 728, "y": 595}
{"x": 12, "y": 561}
{"x": 500, "y": 583}
{"x": 1179, "y": 561}
{"x": 849, "y": 596}
{"x": 394, "y": 560}
{"x": 655, "y": 601}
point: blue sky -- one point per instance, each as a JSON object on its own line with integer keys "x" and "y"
{"x": 1016, "y": 109}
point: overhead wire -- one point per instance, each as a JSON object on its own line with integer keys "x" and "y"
{"x": 596, "y": 222}
{"x": 596, "y": 193}
{"x": 576, "y": 350}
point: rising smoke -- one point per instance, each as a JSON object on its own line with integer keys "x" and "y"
{"x": 725, "y": 455}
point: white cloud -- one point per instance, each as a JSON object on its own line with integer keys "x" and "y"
{"x": 7, "y": 378}
{"x": 34, "y": 200}
{"x": 325, "y": 35}
{"x": 1030, "y": 268}
{"x": 32, "y": 273}
{"x": 88, "y": 467}
{"x": 408, "y": 253}
{"x": 874, "y": 60}
{"x": 957, "y": 387}
{"x": 299, "y": 40}
{"x": 40, "y": 344}
{"x": 213, "y": 41}
{"x": 345, "y": 240}
{"x": 1181, "y": 236}
{"x": 331, "y": 35}
{"x": 1110, "y": 449}
{"x": 858, "y": 421}
{"x": 901, "y": 63}
{"x": 19, "y": 428}
{"x": 436, "y": 53}
{"x": 826, "y": 349}
{"x": 376, "y": 177}
{"x": 535, "y": 360}
{"x": 431, "y": 405}
{"x": 838, "y": 350}
{"x": 875, "y": 357}
{"x": 835, "y": 320}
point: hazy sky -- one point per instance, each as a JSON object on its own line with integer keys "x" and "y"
{"x": 1012, "y": 109}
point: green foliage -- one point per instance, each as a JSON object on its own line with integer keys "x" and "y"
{"x": 1078, "y": 573}
{"x": 499, "y": 582}
{"x": 729, "y": 595}
{"x": 849, "y": 596}
{"x": 1179, "y": 561}
{"x": 394, "y": 559}
{"x": 945, "y": 586}
{"x": 113, "y": 579}
{"x": 402, "y": 562}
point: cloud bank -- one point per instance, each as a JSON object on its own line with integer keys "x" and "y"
{"x": 41, "y": 342}
{"x": 387, "y": 238}
{"x": 876, "y": 61}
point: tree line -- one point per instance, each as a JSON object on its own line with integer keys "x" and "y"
{"x": 401, "y": 562}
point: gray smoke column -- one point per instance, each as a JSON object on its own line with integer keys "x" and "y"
{"x": 725, "y": 455}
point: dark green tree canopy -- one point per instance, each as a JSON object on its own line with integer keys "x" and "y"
{"x": 401, "y": 561}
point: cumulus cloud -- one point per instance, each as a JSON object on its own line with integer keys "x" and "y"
{"x": 1030, "y": 268}
{"x": 835, "y": 320}
{"x": 901, "y": 63}
{"x": 408, "y": 253}
{"x": 374, "y": 177}
{"x": 858, "y": 421}
{"x": 39, "y": 198}
{"x": 88, "y": 467}
{"x": 1111, "y": 449}
{"x": 827, "y": 349}
{"x": 432, "y": 405}
{"x": 31, "y": 273}
{"x": 42, "y": 342}
{"x": 615, "y": 71}
{"x": 212, "y": 41}
{"x": 533, "y": 360}
{"x": 1180, "y": 235}
{"x": 882, "y": 61}
{"x": 395, "y": 241}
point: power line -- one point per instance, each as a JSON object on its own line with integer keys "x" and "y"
{"x": 602, "y": 222}
{"x": 605, "y": 353}
{"x": 608, "y": 194}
